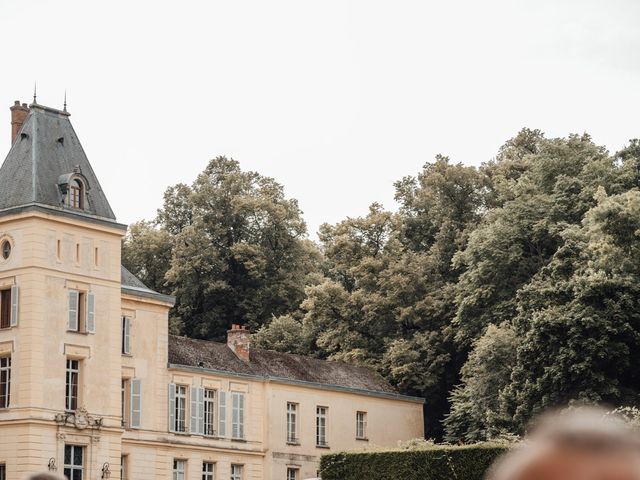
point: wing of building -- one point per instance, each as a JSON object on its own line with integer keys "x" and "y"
{"x": 92, "y": 385}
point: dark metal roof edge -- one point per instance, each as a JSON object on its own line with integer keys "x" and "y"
{"x": 63, "y": 213}
{"x": 139, "y": 292}
{"x": 320, "y": 386}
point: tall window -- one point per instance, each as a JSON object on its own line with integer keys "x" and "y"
{"x": 126, "y": 335}
{"x": 124, "y": 399}
{"x": 5, "y": 308}
{"x": 73, "y": 378}
{"x": 181, "y": 408}
{"x": 321, "y": 426}
{"x": 76, "y": 194}
{"x": 292, "y": 422}
{"x": 209, "y": 412}
{"x": 292, "y": 473}
{"x": 237, "y": 415}
{"x": 179, "y": 468}
{"x": 207, "y": 471}
{"x": 124, "y": 468}
{"x": 3, "y": 471}
{"x": 5, "y": 381}
{"x": 361, "y": 425}
{"x": 81, "y": 312}
{"x": 74, "y": 462}
{"x": 236, "y": 472}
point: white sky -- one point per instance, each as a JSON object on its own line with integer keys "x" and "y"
{"x": 334, "y": 99}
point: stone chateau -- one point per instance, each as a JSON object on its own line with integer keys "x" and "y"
{"x": 92, "y": 386}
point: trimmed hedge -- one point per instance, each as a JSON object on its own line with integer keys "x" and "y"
{"x": 440, "y": 462}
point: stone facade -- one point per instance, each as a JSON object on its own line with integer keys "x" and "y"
{"x": 90, "y": 390}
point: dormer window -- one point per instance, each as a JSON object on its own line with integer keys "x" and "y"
{"x": 73, "y": 189}
{"x": 76, "y": 194}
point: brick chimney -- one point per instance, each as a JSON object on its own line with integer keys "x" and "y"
{"x": 18, "y": 116}
{"x": 239, "y": 341}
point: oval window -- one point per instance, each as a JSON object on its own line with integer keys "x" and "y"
{"x": 5, "y": 248}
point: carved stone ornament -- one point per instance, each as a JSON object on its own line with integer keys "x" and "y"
{"x": 80, "y": 419}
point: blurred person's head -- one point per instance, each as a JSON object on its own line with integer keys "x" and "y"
{"x": 46, "y": 476}
{"x": 584, "y": 444}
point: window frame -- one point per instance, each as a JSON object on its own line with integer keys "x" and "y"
{"x": 126, "y": 335}
{"x": 361, "y": 425}
{"x": 71, "y": 399}
{"x": 208, "y": 470}
{"x": 5, "y": 385}
{"x": 292, "y": 423}
{"x": 6, "y": 301}
{"x": 179, "y": 474}
{"x": 238, "y": 422}
{"x": 295, "y": 471}
{"x": 75, "y": 194}
{"x": 209, "y": 420}
{"x": 181, "y": 396}
{"x": 72, "y": 466}
{"x": 322, "y": 414}
{"x": 3, "y": 471}
{"x": 237, "y": 471}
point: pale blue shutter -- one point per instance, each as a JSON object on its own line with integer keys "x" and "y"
{"x": 241, "y": 415}
{"x": 193, "y": 411}
{"x": 235, "y": 411}
{"x": 72, "y": 323}
{"x": 172, "y": 407}
{"x": 14, "y": 305}
{"x": 222, "y": 415}
{"x": 201, "y": 411}
{"x": 91, "y": 313}
{"x": 136, "y": 403}
{"x": 126, "y": 332}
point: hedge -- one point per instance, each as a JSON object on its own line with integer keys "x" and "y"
{"x": 433, "y": 463}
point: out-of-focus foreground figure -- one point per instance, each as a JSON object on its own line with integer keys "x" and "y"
{"x": 584, "y": 444}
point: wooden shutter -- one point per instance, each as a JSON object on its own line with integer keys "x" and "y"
{"x": 126, "y": 332}
{"x": 222, "y": 415}
{"x": 72, "y": 323}
{"x": 172, "y": 407}
{"x": 91, "y": 313}
{"x": 201, "y": 411}
{"x": 193, "y": 411}
{"x": 136, "y": 403}
{"x": 14, "y": 305}
{"x": 240, "y": 415}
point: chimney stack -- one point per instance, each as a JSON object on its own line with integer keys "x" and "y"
{"x": 239, "y": 341}
{"x": 18, "y": 116}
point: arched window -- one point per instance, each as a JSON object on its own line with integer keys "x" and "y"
{"x": 76, "y": 194}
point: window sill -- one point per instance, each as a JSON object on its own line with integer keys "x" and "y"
{"x": 293, "y": 444}
{"x": 362, "y": 439}
{"x": 240, "y": 440}
{"x": 128, "y": 355}
{"x": 327, "y": 447}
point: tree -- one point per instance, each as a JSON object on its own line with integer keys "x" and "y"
{"x": 476, "y": 413}
{"x": 146, "y": 252}
{"x": 579, "y": 318}
{"x": 239, "y": 251}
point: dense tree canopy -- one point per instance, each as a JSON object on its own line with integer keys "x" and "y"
{"x": 492, "y": 292}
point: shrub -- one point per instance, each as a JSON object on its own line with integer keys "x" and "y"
{"x": 438, "y": 462}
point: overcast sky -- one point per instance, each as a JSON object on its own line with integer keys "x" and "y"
{"x": 334, "y": 99}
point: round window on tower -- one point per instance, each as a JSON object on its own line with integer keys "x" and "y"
{"x": 5, "y": 249}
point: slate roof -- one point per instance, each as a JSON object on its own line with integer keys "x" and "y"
{"x": 267, "y": 364}
{"x": 134, "y": 286}
{"x": 46, "y": 149}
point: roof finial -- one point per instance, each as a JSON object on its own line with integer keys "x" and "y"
{"x": 34, "y": 92}
{"x": 65, "y": 100}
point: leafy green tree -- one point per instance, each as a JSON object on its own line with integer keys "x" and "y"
{"x": 146, "y": 252}
{"x": 476, "y": 413}
{"x": 579, "y": 318}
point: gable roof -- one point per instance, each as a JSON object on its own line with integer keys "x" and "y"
{"x": 271, "y": 365}
{"x": 46, "y": 150}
